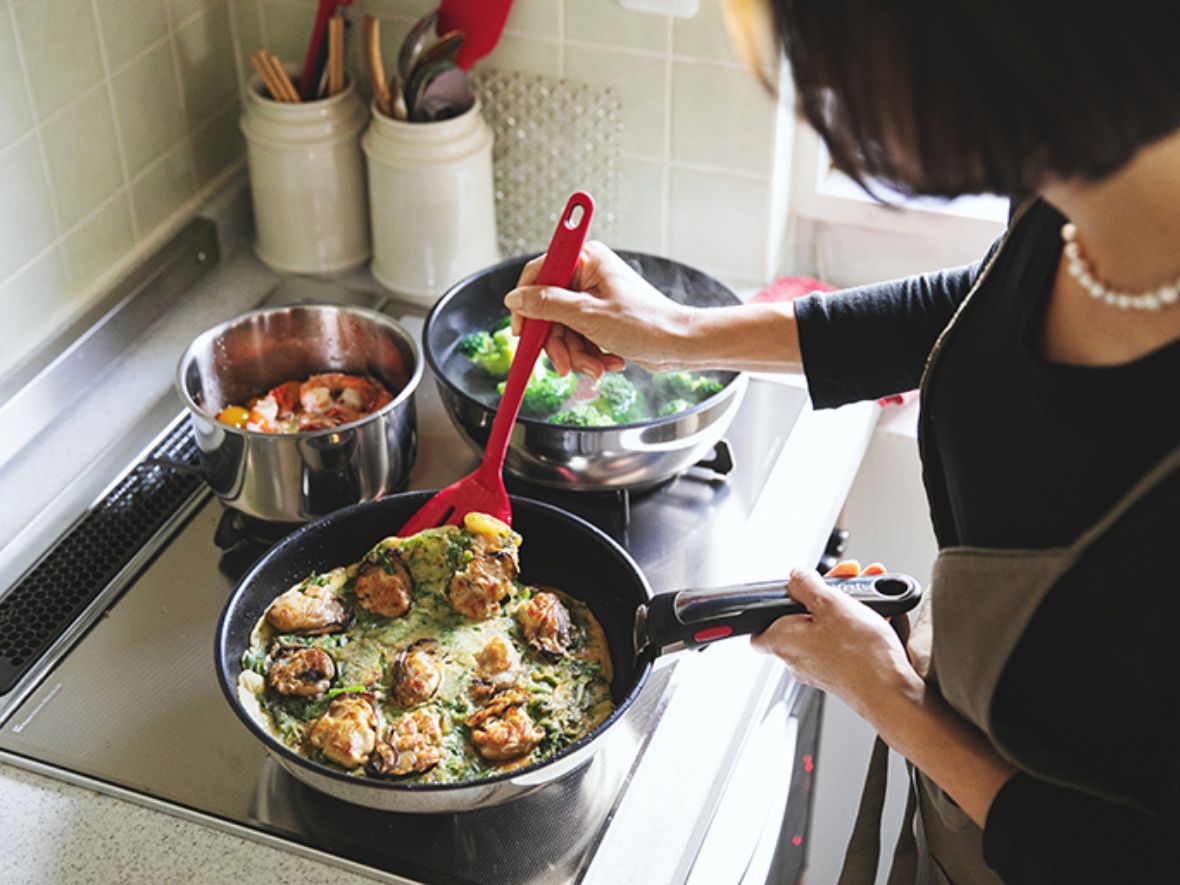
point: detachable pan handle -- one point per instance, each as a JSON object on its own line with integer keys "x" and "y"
{"x": 695, "y": 618}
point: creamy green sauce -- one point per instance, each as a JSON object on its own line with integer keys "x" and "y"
{"x": 568, "y": 697}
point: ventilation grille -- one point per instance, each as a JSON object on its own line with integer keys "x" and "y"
{"x": 84, "y": 561}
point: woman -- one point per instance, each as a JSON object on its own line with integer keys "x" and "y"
{"x": 1040, "y": 701}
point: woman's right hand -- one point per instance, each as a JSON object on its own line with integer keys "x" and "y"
{"x": 609, "y": 313}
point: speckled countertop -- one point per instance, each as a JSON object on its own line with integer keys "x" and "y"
{"x": 56, "y": 832}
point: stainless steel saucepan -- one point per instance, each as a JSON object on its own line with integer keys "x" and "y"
{"x": 294, "y": 477}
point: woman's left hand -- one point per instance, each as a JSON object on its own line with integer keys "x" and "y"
{"x": 841, "y": 646}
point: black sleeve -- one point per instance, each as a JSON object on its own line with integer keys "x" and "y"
{"x": 1041, "y": 833}
{"x": 873, "y": 341}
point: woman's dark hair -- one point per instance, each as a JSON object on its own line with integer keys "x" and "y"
{"x": 946, "y": 97}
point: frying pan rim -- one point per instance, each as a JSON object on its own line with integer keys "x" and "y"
{"x": 727, "y": 389}
{"x": 402, "y": 396}
{"x": 228, "y": 685}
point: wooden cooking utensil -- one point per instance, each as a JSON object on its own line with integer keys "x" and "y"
{"x": 483, "y": 490}
{"x": 335, "y": 54}
{"x": 316, "y": 58}
{"x": 274, "y": 76}
{"x": 371, "y": 46}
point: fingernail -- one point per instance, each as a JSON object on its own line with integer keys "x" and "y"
{"x": 513, "y": 300}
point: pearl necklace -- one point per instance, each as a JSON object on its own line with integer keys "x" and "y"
{"x": 1080, "y": 270}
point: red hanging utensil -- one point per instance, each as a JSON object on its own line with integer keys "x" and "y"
{"x": 309, "y": 80}
{"x": 481, "y": 21}
{"x": 483, "y": 490}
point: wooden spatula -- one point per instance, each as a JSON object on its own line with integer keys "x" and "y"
{"x": 483, "y": 490}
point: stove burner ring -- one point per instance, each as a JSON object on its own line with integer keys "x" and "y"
{"x": 236, "y": 530}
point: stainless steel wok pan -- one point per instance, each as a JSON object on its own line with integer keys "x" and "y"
{"x": 577, "y": 458}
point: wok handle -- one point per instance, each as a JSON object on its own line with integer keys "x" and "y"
{"x": 695, "y": 618}
{"x": 565, "y": 249}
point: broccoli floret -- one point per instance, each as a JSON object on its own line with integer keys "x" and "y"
{"x": 673, "y": 385}
{"x": 545, "y": 392}
{"x": 581, "y": 415}
{"x": 673, "y": 406}
{"x": 703, "y": 388}
{"x": 474, "y": 343}
{"x": 493, "y": 353}
{"x": 619, "y": 398}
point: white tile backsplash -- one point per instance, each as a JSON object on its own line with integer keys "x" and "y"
{"x": 720, "y": 222}
{"x": 112, "y": 118}
{"x": 60, "y": 47}
{"x": 26, "y": 224}
{"x": 642, "y": 84}
{"x": 643, "y": 205}
{"x": 82, "y": 178}
{"x": 606, "y": 23}
{"x": 691, "y": 110}
{"x": 16, "y": 116}
{"x": 722, "y": 117}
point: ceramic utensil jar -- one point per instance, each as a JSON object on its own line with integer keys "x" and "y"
{"x": 307, "y": 181}
{"x": 432, "y": 203}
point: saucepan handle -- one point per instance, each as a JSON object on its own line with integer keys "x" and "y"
{"x": 695, "y": 618}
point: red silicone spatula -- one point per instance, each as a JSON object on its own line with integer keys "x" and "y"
{"x": 483, "y": 491}
{"x": 481, "y": 22}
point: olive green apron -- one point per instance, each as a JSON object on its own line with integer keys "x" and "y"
{"x": 978, "y": 605}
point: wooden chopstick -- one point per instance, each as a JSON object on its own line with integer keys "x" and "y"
{"x": 335, "y": 54}
{"x": 371, "y": 47}
{"x": 260, "y": 65}
{"x": 274, "y": 76}
{"x": 284, "y": 80}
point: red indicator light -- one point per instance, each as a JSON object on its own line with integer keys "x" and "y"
{"x": 808, "y": 765}
{"x": 796, "y": 841}
{"x": 807, "y": 758}
{"x": 711, "y": 633}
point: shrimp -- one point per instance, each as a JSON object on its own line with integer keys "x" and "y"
{"x": 384, "y": 586}
{"x": 274, "y": 411}
{"x": 545, "y": 623}
{"x": 347, "y": 732}
{"x": 414, "y": 745}
{"x": 340, "y": 397}
{"x": 303, "y": 672}
{"x": 503, "y": 729}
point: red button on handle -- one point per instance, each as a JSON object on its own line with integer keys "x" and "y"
{"x": 711, "y": 633}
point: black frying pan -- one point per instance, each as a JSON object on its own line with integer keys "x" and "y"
{"x": 559, "y": 550}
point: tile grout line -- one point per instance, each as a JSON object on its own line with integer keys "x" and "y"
{"x": 178, "y": 81}
{"x": 561, "y": 41}
{"x": 196, "y": 130}
{"x": 120, "y": 150}
{"x": 666, "y": 201}
{"x": 260, "y": 12}
{"x": 18, "y": 42}
{"x": 17, "y": 271}
{"x": 159, "y": 41}
{"x": 236, "y": 44}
